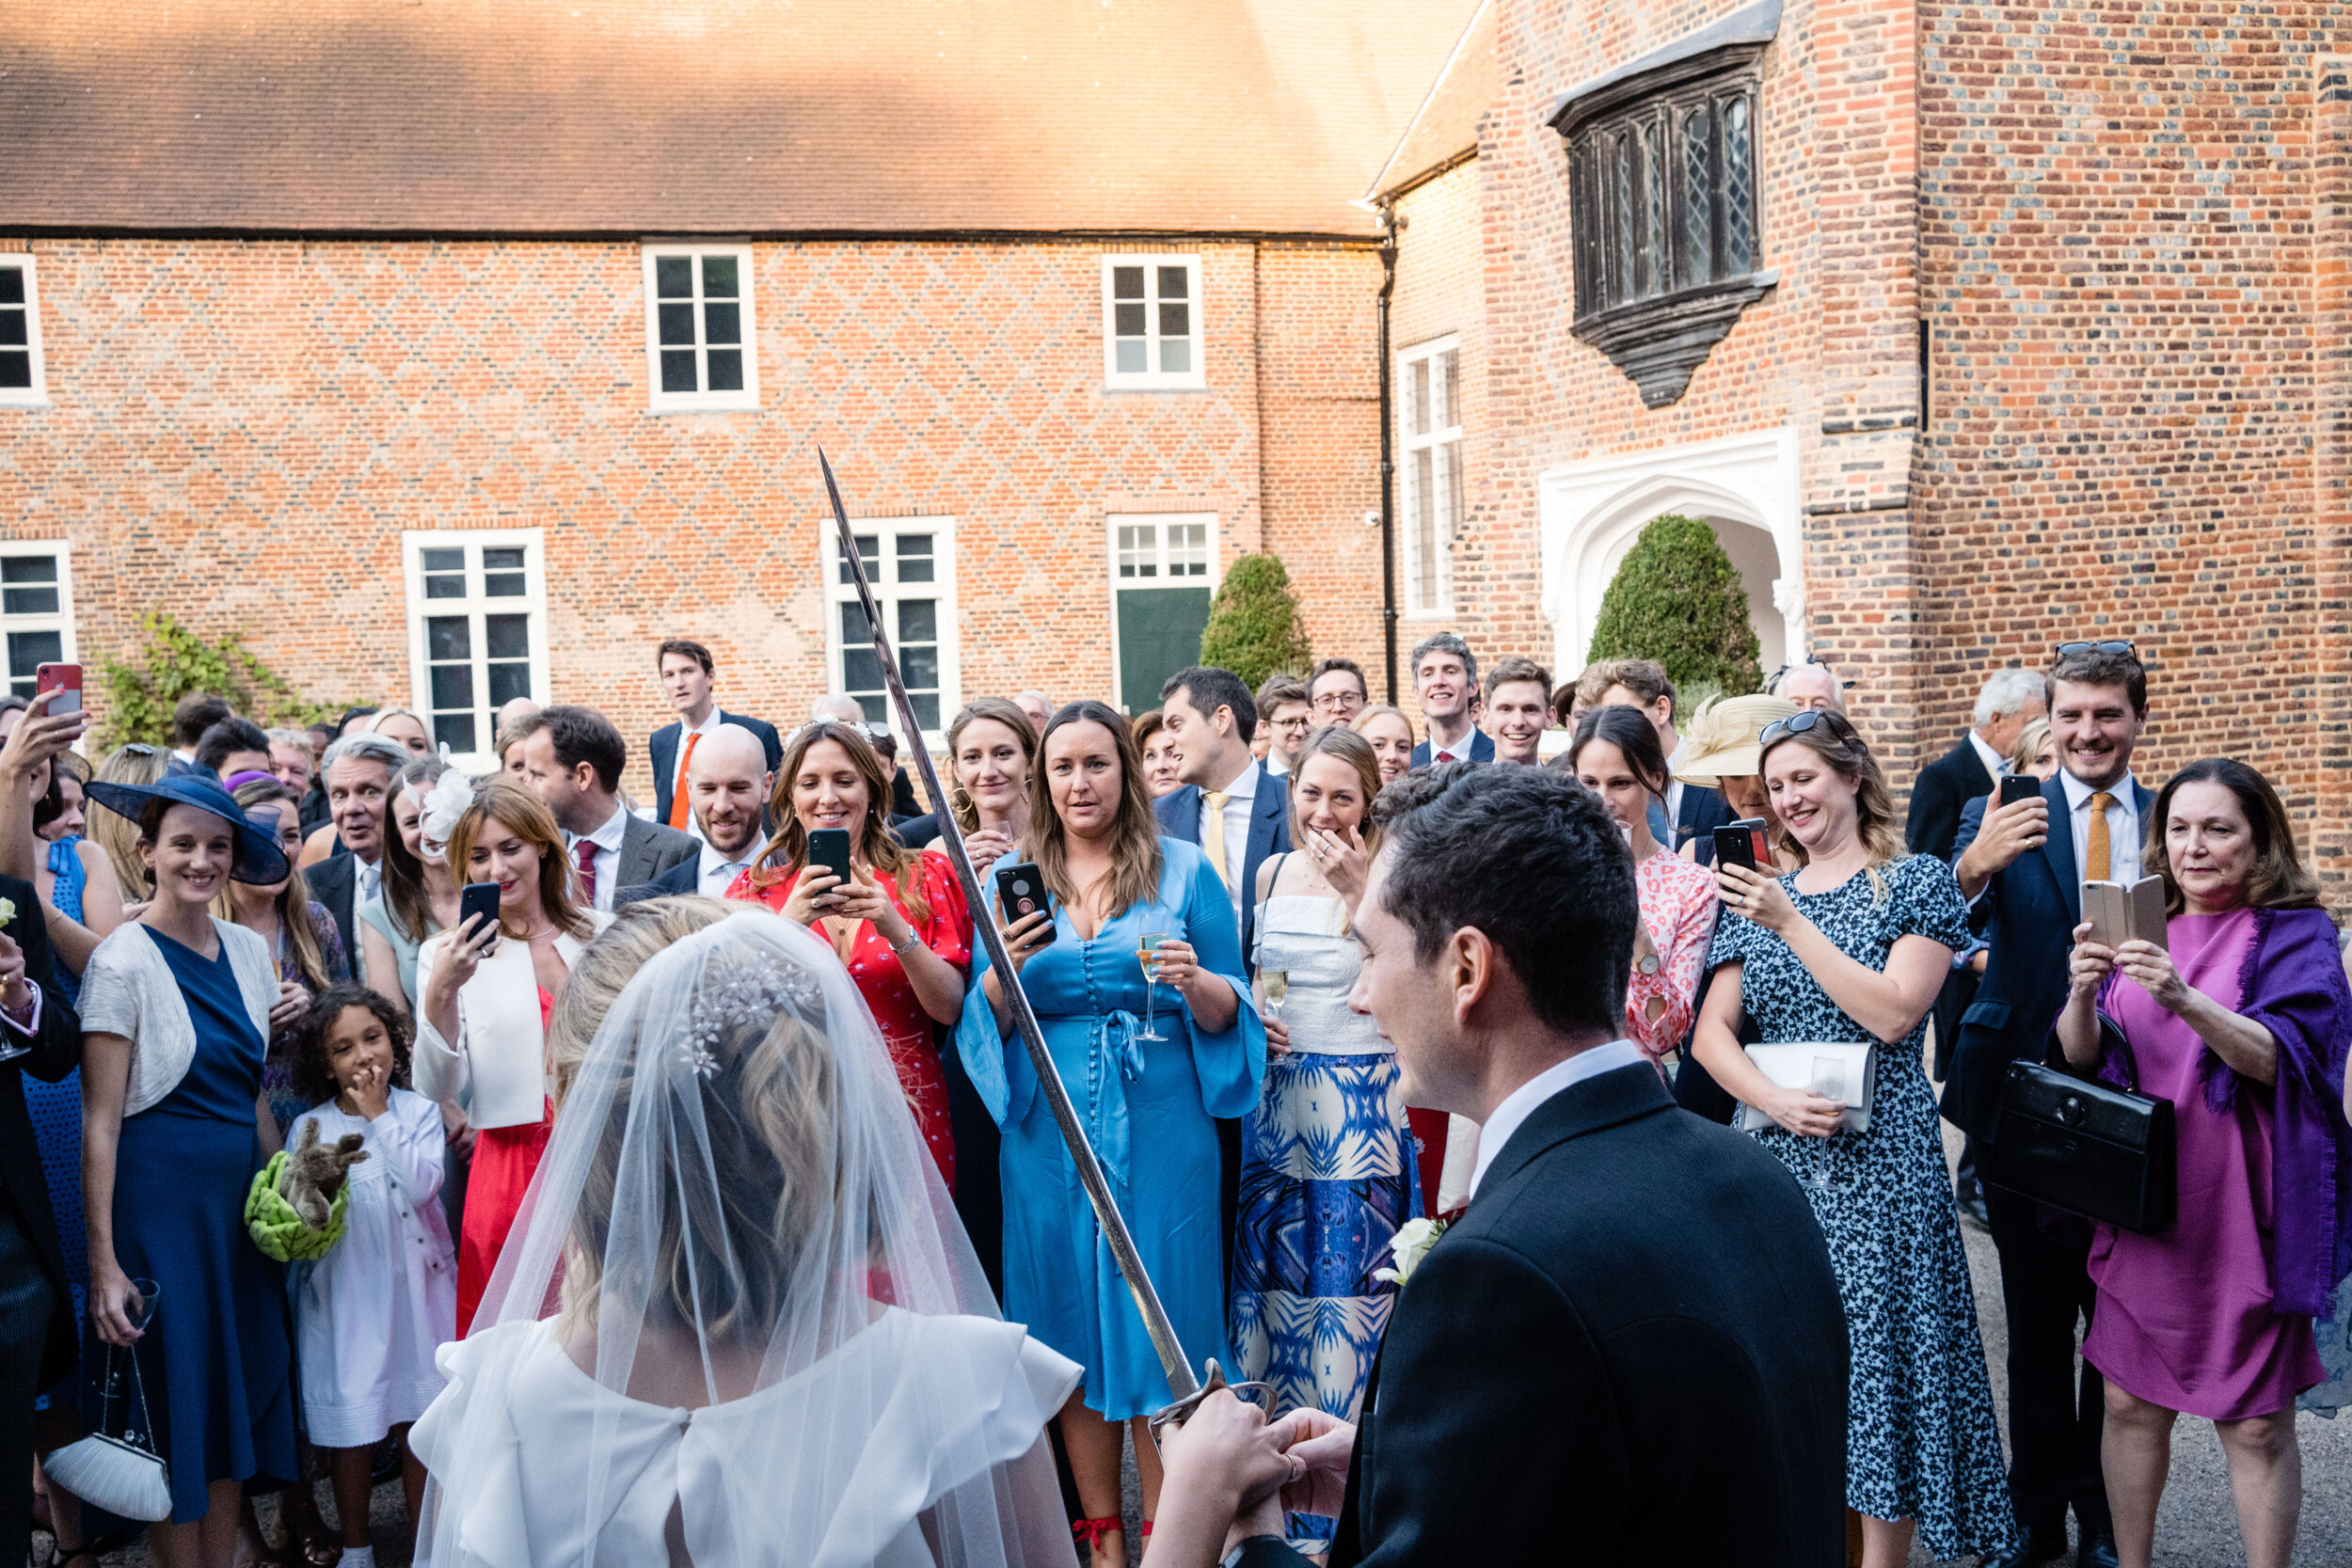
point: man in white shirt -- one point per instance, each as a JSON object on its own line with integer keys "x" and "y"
{"x": 358, "y": 770}
{"x": 1228, "y": 805}
{"x": 572, "y": 759}
{"x": 689, "y": 678}
{"x": 1519, "y": 705}
{"x": 1445, "y": 679}
{"x": 1810, "y": 685}
{"x": 729, "y": 785}
{"x": 1286, "y": 716}
{"x": 1337, "y": 692}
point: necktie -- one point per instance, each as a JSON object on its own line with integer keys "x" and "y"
{"x": 1213, "y": 834}
{"x": 586, "y": 850}
{"x": 677, "y": 795}
{"x": 2096, "y": 867}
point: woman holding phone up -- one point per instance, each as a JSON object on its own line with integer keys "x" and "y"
{"x": 485, "y": 989}
{"x": 1135, "y": 975}
{"x": 898, "y": 920}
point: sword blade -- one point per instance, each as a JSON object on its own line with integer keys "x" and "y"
{"x": 1181, "y": 1379}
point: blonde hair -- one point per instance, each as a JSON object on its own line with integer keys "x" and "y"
{"x": 775, "y": 1135}
{"x": 1344, "y": 745}
{"x": 499, "y": 798}
{"x": 114, "y": 833}
{"x": 1848, "y": 755}
{"x": 2029, "y": 743}
{"x": 1001, "y": 710}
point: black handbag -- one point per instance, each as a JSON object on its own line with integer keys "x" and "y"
{"x": 2091, "y": 1150}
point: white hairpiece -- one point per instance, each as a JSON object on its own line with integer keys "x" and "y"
{"x": 438, "y": 809}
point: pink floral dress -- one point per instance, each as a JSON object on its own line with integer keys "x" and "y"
{"x": 1678, "y": 907}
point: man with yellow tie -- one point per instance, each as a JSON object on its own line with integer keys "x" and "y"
{"x": 2025, "y": 884}
{"x": 688, "y": 677}
{"x": 1230, "y": 805}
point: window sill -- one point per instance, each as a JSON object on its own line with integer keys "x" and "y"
{"x": 23, "y": 400}
{"x": 743, "y": 405}
{"x": 1197, "y": 385}
{"x": 1659, "y": 343}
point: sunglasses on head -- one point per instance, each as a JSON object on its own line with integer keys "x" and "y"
{"x": 2067, "y": 650}
{"x": 1797, "y": 723}
{"x": 141, "y": 748}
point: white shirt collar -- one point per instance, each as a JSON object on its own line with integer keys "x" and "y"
{"x": 1521, "y": 1103}
{"x": 1994, "y": 762}
{"x": 2078, "y": 794}
{"x": 713, "y": 862}
{"x": 608, "y": 838}
{"x": 1245, "y": 785}
{"x": 706, "y": 727}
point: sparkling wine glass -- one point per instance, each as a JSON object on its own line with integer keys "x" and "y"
{"x": 1278, "y": 991}
{"x": 1145, "y": 945}
{"x": 1829, "y": 1082}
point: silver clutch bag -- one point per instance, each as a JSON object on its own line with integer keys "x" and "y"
{"x": 1844, "y": 1070}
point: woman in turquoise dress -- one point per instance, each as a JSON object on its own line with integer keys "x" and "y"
{"x": 175, "y": 1013}
{"x": 1147, "y": 1103}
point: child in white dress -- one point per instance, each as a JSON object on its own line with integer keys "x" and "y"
{"x": 384, "y": 1299}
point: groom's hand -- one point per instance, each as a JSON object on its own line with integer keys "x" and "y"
{"x": 1324, "y": 1444}
{"x": 1223, "y": 1467}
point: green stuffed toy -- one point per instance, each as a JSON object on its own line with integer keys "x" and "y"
{"x": 294, "y": 1209}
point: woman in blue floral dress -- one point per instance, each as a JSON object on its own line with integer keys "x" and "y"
{"x": 1852, "y": 947}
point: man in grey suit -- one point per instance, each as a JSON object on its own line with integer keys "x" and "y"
{"x": 572, "y": 757}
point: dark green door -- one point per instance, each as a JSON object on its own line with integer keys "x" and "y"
{"x": 1159, "y": 633}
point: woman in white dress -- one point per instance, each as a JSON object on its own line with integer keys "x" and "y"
{"x": 770, "y": 1342}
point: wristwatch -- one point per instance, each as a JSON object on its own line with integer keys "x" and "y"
{"x": 1647, "y": 963}
{"x": 1234, "y": 1557}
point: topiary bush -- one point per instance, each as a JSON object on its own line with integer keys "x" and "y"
{"x": 1254, "y": 626}
{"x": 140, "y": 696}
{"x": 1677, "y": 599}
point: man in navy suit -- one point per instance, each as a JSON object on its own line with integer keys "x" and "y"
{"x": 1229, "y": 802}
{"x": 1445, "y": 678}
{"x": 2025, "y": 882}
{"x": 688, "y": 676}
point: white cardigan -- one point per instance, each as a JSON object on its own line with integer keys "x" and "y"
{"x": 501, "y": 1047}
{"x": 128, "y": 988}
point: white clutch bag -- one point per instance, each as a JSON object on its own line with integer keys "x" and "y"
{"x": 1845, "y": 1071}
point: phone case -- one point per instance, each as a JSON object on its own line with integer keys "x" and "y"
{"x": 2125, "y": 911}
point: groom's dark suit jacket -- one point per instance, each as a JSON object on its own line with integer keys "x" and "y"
{"x": 1629, "y": 1351}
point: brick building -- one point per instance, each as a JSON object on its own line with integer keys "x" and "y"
{"x": 454, "y": 350}
{"x": 1971, "y": 327}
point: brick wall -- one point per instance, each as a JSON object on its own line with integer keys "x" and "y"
{"x": 240, "y": 432}
{"x": 2129, "y": 435}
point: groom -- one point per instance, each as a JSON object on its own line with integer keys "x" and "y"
{"x": 1630, "y": 1349}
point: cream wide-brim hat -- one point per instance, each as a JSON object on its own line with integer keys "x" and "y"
{"x": 1724, "y": 738}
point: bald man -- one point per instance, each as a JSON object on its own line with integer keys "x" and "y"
{"x": 835, "y": 710}
{"x": 1812, "y": 686}
{"x": 727, "y": 784}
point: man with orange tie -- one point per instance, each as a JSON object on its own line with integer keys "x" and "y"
{"x": 2025, "y": 883}
{"x": 688, "y": 677}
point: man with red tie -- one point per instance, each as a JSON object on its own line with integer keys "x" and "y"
{"x": 688, "y": 678}
{"x": 572, "y": 759}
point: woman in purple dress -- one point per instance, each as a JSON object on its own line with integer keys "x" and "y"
{"x": 2243, "y": 1025}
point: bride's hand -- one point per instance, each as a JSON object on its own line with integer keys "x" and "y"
{"x": 1223, "y": 1468}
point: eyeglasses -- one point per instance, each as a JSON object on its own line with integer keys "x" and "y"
{"x": 1300, "y": 724}
{"x": 1329, "y": 700}
{"x": 1797, "y": 723}
{"x": 2068, "y": 650}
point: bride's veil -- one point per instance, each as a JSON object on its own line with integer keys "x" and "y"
{"x": 735, "y": 1192}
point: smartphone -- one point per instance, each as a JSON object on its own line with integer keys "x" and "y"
{"x": 829, "y": 850}
{"x": 480, "y": 898}
{"x": 2019, "y": 786}
{"x": 1742, "y": 843}
{"x": 1021, "y": 889}
{"x": 60, "y": 677}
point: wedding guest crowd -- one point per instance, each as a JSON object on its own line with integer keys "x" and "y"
{"x": 1250, "y": 897}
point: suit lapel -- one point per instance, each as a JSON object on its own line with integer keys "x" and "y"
{"x": 2058, "y": 849}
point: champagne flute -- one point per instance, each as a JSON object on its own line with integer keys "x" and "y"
{"x": 1829, "y": 1082}
{"x": 1278, "y": 991}
{"x": 1146, "y": 944}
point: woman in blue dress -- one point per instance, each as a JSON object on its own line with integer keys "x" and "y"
{"x": 175, "y": 1013}
{"x": 1148, "y": 1103}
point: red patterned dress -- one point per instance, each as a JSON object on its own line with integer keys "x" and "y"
{"x": 907, "y": 1029}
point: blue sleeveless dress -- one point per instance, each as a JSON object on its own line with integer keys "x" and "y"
{"x": 217, "y": 1358}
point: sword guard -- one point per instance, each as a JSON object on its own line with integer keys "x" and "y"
{"x": 1177, "y": 1413}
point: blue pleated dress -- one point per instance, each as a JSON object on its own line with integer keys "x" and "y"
{"x": 1148, "y": 1106}
{"x": 217, "y": 1358}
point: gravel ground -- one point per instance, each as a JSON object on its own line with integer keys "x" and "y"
{"x": 2197, "y": 1529}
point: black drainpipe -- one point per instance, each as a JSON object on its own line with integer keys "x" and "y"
{"x": 1387, "y": 448}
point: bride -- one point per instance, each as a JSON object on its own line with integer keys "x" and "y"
{"x": 737, "y": 1321}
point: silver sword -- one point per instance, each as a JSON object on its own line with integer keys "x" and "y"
{"x": 1181, "y": 1381}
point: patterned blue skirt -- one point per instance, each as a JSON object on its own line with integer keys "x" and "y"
{"x": 1328, "y": 1174}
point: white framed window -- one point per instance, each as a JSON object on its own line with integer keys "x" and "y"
{"x": 1428, "y": 412}
{"x": 911, "y": 563}
{"x": 1152, "y": 324}
{"x": 36, "y": 608}
{"x": 1162, "y": 575}
{"x": 22, "y": 381}
{"x": 477, "y": 633}
{"x": 699, "y": 341}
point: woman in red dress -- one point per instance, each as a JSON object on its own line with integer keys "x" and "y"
{"x": 899, "y": 925}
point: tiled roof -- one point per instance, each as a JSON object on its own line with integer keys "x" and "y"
{"x": 1445, "y": 128}
{"x": 708, "y": 116}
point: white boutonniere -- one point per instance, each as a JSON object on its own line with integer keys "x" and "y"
{"x": 1409, "y": 1245}
{"x": 8, "y": 911}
